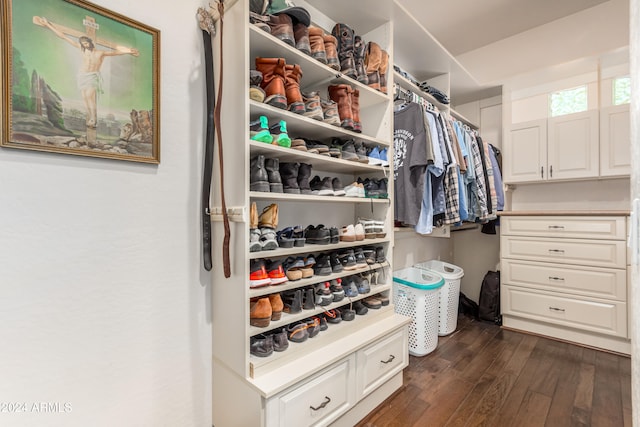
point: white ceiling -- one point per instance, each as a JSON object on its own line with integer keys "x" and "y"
{"x": 465, "y": 25}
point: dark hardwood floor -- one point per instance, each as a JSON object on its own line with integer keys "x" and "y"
{"x": 482, "y": 375}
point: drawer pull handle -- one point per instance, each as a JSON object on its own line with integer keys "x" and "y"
{"x": 556, "y": 227}
{"x": 323, "y": 404}
{"x": 389, "y": 360}
{"x": 559, "y": 279}
{"x": 557, "y": 251}
{"x": 557, "y": 309}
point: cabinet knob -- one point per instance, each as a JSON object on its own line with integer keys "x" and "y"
{"x": 556, "y": 227}
{"x": 559, "y": 279}
{"x": 561, "y": 310}
{"x": 556, "y": 251}
{"x": 322, "y": 405}
{"x": 541, "y": 171}
{"x": 389, "y": 360}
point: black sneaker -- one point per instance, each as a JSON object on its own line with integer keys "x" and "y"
{"x": 359, "y": 308}
{"x": 321, "y": 187}
{"x": 347, "y": 259}
{"x": 369, "y": 255}
{"x": 324, "y": 296}
{"x": 334, "y": 235}
{"x": 336, "y": 289}
{"x": 349, "y": 151}
{"x": 361, "y": 152}
{"x": 317, "y": 235}
{"x": 338, "y": 188}
{"x": 380, "y": 258}
{"x": 335, "y": 150}
{"x": 336, "y": 265}
{"x": 361, "y": 261}
{"x": 323, "y": 266}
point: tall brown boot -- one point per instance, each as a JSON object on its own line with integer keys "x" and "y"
{"x": 384, "y": 64}
{"x": 372, "y": 61}
{"x": 273, "y": 73}
{"x": 359, "y": 47}
{"x": 301, "y": 34}
{"x": 316, "y": 40}
{"x": 354, "y": 94}
{"x": 331, "y": 47}
{"x": 282, "y": 27}
{"x": 254, "y": 232}
{"x": 340, "y": 94}
{"x": 293, "y": 74}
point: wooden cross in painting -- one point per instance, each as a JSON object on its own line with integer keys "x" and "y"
{"x": 89, "y": 78}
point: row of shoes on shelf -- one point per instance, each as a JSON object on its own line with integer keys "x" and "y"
{"x": 348, "y": 149}
{"x": 269, "y": 175}
{"x": 269, "y": 272}
{"x": 276, "y": 83}
{"x": 341, "y": 50}
{"x": 270, "y": 307}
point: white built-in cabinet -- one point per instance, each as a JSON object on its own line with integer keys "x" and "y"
{"x": 559, "y": 148}
{"x": 341, "y": 374}
{"x": 615, "y": 141}
{"x": 566, "y": 276}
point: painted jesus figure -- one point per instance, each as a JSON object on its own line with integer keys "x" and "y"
{"x": 89, "y": 79}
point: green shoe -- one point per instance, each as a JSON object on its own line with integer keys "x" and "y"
{"x": 280, "y": 134}
{"x": 259, "y": 130}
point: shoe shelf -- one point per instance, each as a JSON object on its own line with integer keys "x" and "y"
{"x": 405, "y": 83}
{"x": 302, "y": 283}
{"x": 315, "y": 74}
{"x": 259, "y": 195}
{"x": 325, "y": 163}
{"x": 287, "y": 318}
{"x": 299, "y": 125}
{"x": 312, "y": 249}
{"x": 319, "y": 342}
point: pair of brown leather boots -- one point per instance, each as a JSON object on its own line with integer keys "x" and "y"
{"x": 348, "y": 100}
{"x": 281, "y": 83}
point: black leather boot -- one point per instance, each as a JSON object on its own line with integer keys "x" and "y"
{"x": 304, "y": 173}
{"x": 273, "y": 172}
{"x": 289, "y": 175}
{"x": 345, "y": 37}
{"x": 258, "y": 177}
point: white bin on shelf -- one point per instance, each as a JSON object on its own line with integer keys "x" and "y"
{"x": 416, "y": 294}
{"x": 449, "y": 293}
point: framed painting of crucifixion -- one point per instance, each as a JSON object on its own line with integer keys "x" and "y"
{"x": 79, "y": 79}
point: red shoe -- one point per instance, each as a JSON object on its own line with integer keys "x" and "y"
{"x": 258, "y": 276}
{"x": 276, "y": 272}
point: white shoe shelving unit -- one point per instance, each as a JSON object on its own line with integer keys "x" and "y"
{"x": 344, "y": 372}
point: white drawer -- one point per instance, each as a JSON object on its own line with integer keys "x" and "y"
{"x": 588, "y": 281}
{"x": 565, "y": 226}
{"x": 599, "y": 253}
{"x": 316, "y": 402}
{"x": 605, "y": 317}
{"x": 381, "y": 360}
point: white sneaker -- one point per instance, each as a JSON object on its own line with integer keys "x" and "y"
{"x": 348, "y": 233}
{"x": 352, "y": 190}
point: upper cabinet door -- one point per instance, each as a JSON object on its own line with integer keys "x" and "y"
{"x": 526, "y": 154}
{"x": 615, "y": 141}
{"x": 573, "y": 146}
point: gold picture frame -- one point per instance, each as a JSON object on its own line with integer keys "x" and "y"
{"x": 79, "y": 79}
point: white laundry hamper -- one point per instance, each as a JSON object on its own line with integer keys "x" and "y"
{"x": 449, "y": 293}
{"x": 416, "y": 294}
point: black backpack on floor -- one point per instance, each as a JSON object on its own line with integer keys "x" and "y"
{"x": 489, "y": 301}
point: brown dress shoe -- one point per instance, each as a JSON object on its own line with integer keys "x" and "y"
{"x": 384, "y": 64}
{"x": 269, "y": 216}
{"x": 276, "y": 306}
{"x": 260, "y": 312}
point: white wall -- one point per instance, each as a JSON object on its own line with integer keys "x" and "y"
{"x": 103, "y": 301}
